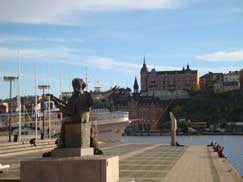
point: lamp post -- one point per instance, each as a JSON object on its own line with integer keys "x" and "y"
{"x": 10, "y": 79}
{"x": 43, "y": 87}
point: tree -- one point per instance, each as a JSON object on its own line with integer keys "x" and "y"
{"x": 195, "y": 87}
{"x": 177, "y": 110}
{"x": 184, "y": 124}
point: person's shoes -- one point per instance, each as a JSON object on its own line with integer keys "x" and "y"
{"x": 46, "y": 154}
{"x": 98, "y": 151}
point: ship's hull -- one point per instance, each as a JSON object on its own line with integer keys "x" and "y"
{"x": 109, "y": 125}
{"x": 111, "y": 131}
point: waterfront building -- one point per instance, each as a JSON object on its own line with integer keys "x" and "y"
{"x": 3, "y": 108}
{"x": 209, "y": 81}
{"x": 232, "y": 76}
{"x": 168, "y": 84}
{"x": 144, "y": 108}
{"x": 145, "y": 112}
{"x": 235, "y": 127}
{"x": 218, "y": 87}
{"x": 219, "y": 82}
{"x": 226, "y": 86}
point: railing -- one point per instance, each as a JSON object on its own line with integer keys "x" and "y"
{"x": 109, "y": 115}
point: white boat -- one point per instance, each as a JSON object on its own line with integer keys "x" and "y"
{"x": 110, "y": 125}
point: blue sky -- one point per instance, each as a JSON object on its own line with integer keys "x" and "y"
{"x": 109, "y": 39}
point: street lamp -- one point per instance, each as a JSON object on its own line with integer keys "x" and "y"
{"x": 10, "y": 79}
{"x": 43, "y": 87}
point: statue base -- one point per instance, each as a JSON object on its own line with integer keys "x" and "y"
{"x": 72, "y": 152}
{"x": 74, "y": 169}
{"x": 77, "y": 135}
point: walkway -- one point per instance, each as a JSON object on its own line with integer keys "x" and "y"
{"x": 201, "y": 164}
{"x": 153, "y": 163}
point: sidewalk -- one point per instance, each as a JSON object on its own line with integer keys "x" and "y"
{"x": 153, "y": 163}
{"x": 198, "y": 164}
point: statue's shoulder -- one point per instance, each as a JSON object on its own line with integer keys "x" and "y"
{"x": 87, "y": 93}
{"x": 72, "y": 98}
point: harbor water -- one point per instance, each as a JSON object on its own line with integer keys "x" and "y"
{"x": 233, "y": 145}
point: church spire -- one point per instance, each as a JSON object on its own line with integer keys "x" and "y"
{"x": 144, "y": 68}
{"x": 188, "y": 67}
{"x": 135, "y": 86}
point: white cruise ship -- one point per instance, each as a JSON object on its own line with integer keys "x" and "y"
{"x": 110, "y": 125}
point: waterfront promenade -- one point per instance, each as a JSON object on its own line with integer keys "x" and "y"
{"x": 150, "y": 163}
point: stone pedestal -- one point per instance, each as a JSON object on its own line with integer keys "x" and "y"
{"x": 76, "y": 169}
{"x": 77, "y": 141}
{"x": 72, "y": 152}
{"x": 77, "y": 135}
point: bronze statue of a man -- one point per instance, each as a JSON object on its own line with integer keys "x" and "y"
{"x": 80, "y": 102}
{"x": 78, "y": 108}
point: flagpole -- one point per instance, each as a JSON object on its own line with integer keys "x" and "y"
{"x": 60, "y": 78}
{"x": 49, "y": 105}
{"x": 86, "y": 78}
{"x": 19, "y": 100}
{"x": 36, "y": 124}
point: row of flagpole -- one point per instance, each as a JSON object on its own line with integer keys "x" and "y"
{"x": 36, "y": 124}
{"x": 19, "y": 99}
{"x": 19, "y": 108}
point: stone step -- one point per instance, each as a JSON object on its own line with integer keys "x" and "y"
{"x": 29, "y": 148}
{"x": 5, "y": 148}
{"x": 5, "y": 144}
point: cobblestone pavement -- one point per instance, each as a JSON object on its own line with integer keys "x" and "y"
{"x": 153, "y": 163}
{"x": 139, "y": 162}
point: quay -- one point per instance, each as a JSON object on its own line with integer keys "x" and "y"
{"x": 139, "y": 162}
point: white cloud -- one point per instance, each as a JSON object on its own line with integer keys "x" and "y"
{"x": 121, "y": 66}
{"x": 110, "y": 64}
{"x": 222, "y": 56}
{"x": 44, "y": 54}
{"x": 62, "y": 11}
{"x": 14, "y": 38}
{"x": 163, "y": 68}
{"x": 68, "y": 56}
{"x": 218, "y": 69}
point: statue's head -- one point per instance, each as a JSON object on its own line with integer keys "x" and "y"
{"x": 78, "y": 85}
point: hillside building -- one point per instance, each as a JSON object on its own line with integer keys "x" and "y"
{"x": 168, "y": 84}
